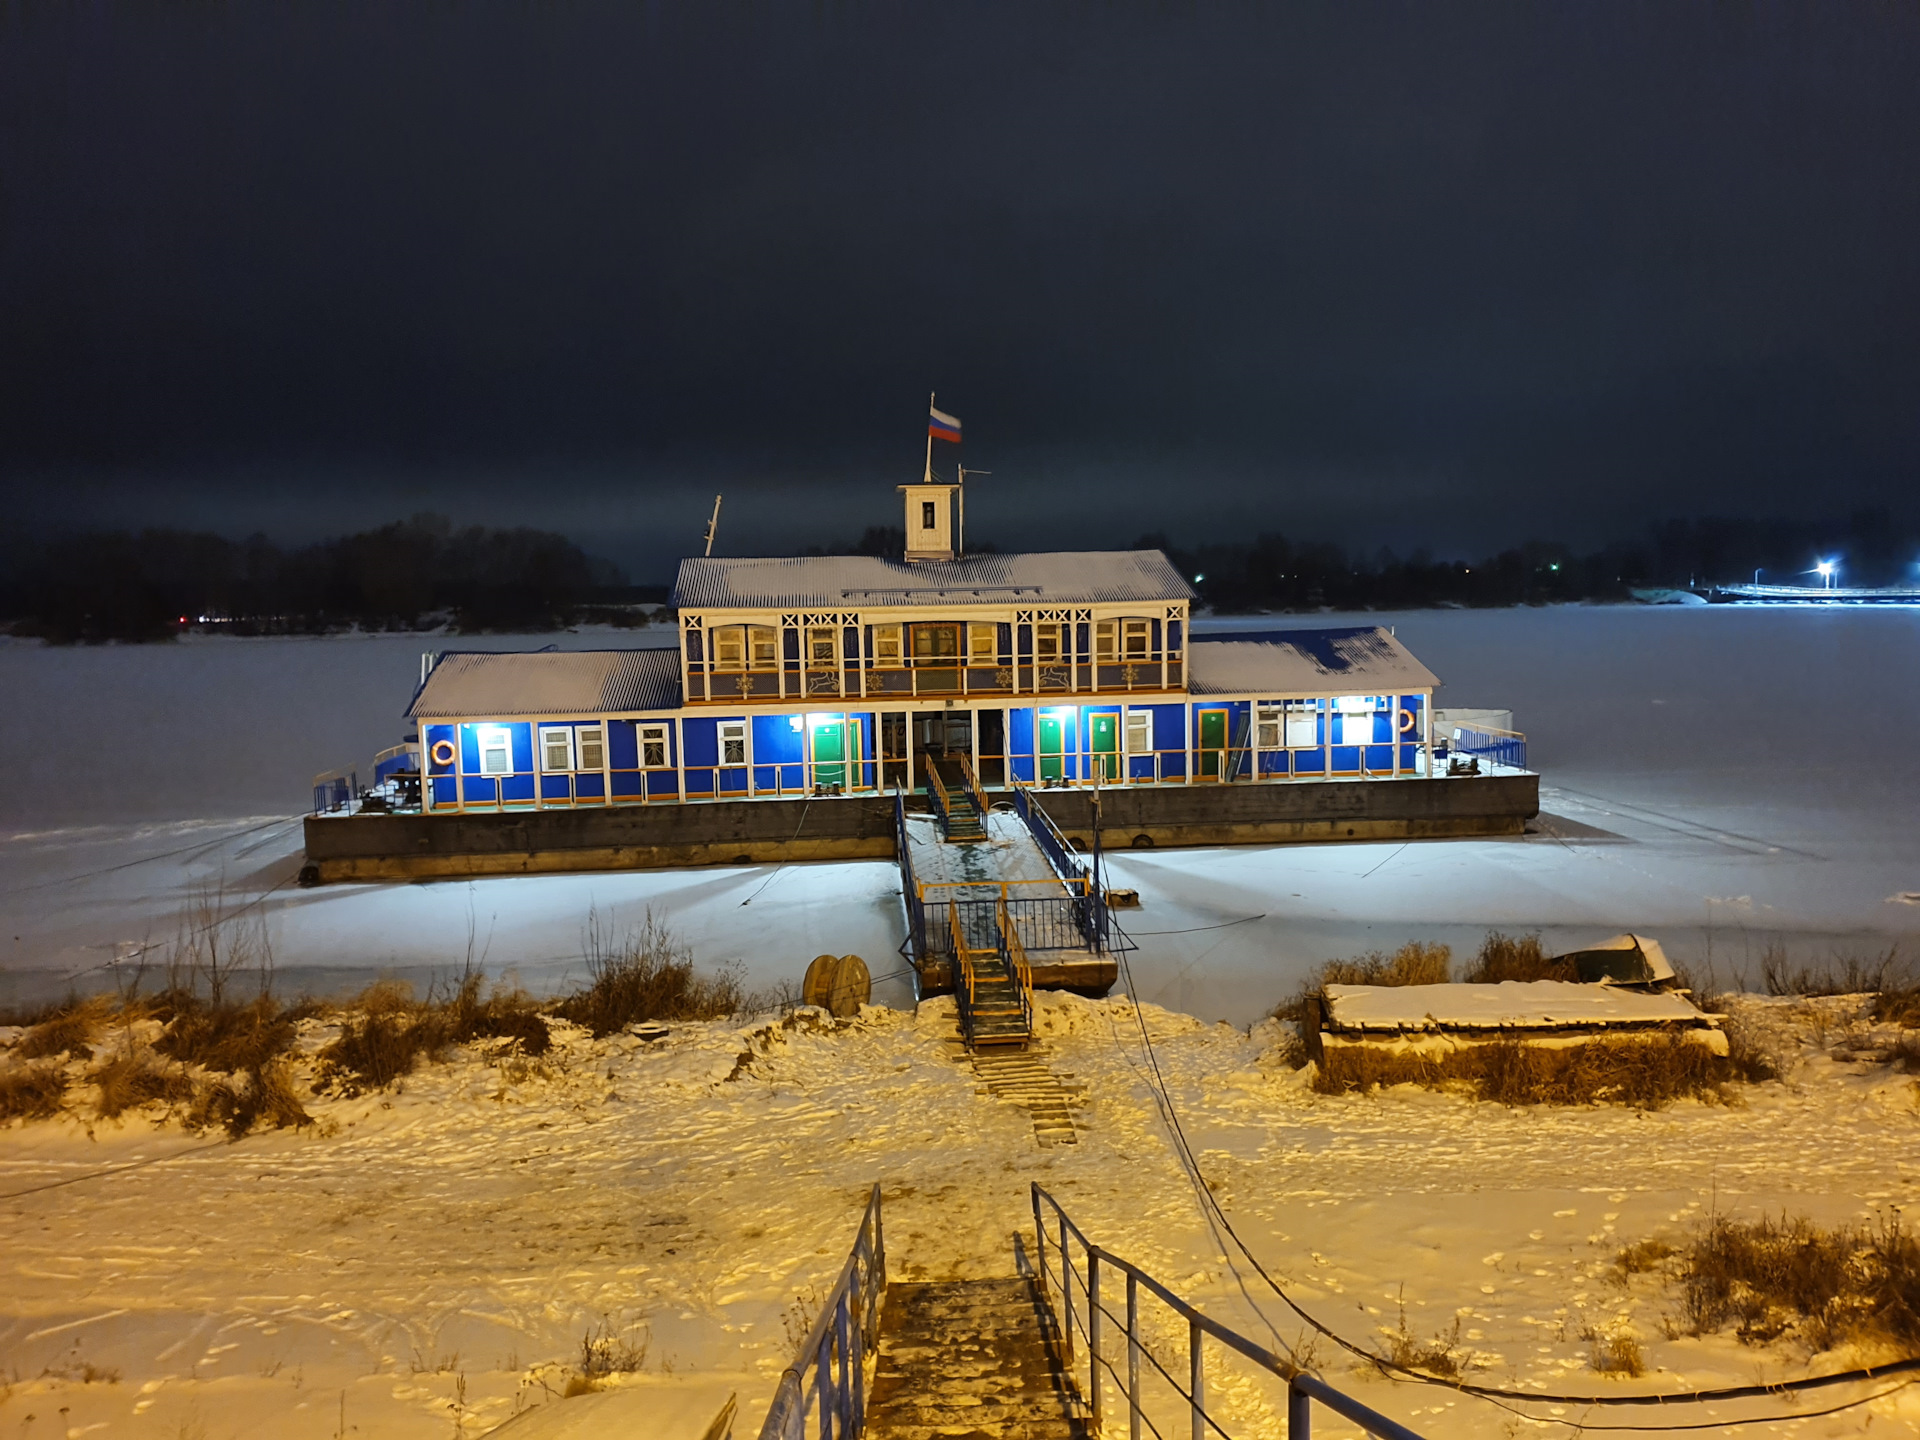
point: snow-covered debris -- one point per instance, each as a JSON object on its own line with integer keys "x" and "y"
{"x": 1511, "y": 1005}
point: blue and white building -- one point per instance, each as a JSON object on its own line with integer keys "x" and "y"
{"x": 847, "y": 675}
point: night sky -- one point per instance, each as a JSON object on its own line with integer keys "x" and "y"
{"x": 1443, "y": 274}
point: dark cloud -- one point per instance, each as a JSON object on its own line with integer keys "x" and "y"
{"x": 1388, "y": 272}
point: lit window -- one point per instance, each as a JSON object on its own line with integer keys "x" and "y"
{"x": 496, "y": 752}
{"x": 926, "y": 515}
{"x": 820, "y": 647}
{"x": 766, "y": 647}
{"x": 983, "y": 644}
{"x": 1046, "y": 644}
{"x": 1303, "y": 724}
{"x": 1139, "y": 732}
{"x": 886, "y": 644}
{"x": 653, "y": 747}
{"x": 1137, "y": 636}
{"x": 729, "y": 647}
{"x": 593, "y": 748}
{"x": 1106, "y": 639}
{"x": 556, "y": 749}
{"x": 1268, "y": 737}
{"x": 733, "y": 743}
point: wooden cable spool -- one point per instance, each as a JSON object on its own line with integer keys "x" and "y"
{"x": 840, "y": 985}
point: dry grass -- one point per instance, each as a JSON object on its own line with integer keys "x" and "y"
{"x": 1617, "y": 1353}
{"x": 238, "y": 1103}
{"x": 1857, "y": 1284}
{"x": 1642, "y": 1257}
{"x": 1439, "y": 1355}
{"x": 1508, "y": 957}
{"x": 1839, "y": 975}
{"x": 390, "y": 1032}
{"x": 1646, "y": 1073}
{"x": 132, "y": 1078}
{"x": 1899, "y": 1005}
{"x": 1415, "y": 963}
{"x": 67, "y": 1029}
{"x": 32, "y": 1092}
{"x": 604, "y": 1353}
{"x": 646, "y": 975}
{"x": 222, "y": 1035}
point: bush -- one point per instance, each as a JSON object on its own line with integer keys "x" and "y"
{"x": 1414, "y": 963}
{"x": 1839, "y": 975}
{"x": 1768, "y": 1278}
{"x": 393, "y": 1031}
{"x": 131, "y": 1079}
{"x": 1645, "y": 1072}
{"x": 223, "y": 1035}
{"x": 32, "y": 1092}
{"x": 68, "y": 1029}
{"x": 239, "y": 1102}
{"x": 648, "y": 975}
{"x": 1505, "y": 957}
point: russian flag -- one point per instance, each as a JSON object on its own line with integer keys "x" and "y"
{"x": 942, "y": 426}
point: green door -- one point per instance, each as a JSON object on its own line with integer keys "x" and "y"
{"x": 830, "y": 754}
{"x": 1104, "y": 734}
{"x": 1051, "y": 748}
{"x": 1213, "y": 740}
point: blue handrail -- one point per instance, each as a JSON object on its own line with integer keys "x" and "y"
{"x": 831, "y": 1365}
{"x": 909, "y": 885}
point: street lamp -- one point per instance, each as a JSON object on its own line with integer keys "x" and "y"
{"x": 1825, "y": 568}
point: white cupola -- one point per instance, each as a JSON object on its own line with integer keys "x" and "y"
{"x": 929, "y": 520}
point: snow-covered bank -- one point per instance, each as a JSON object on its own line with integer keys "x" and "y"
{"x": 436, "y": 1254}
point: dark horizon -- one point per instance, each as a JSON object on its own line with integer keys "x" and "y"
{"x": 1383, "y": 275}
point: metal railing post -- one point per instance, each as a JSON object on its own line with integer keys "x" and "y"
{"x": 1066, "y": 1295}
{"x": 1133, "y": 1357}
{"x": 1197, "y": 1373}
{"x": 1093, "y": 1334}
{"x": 1299, "y": 1413}
{"x": 823, "y": 1382}
{"x": 846, "y": 1368}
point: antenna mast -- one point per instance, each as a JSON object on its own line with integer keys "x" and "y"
{"x": 713, "y": 523}
{"x": 960, "y": 526}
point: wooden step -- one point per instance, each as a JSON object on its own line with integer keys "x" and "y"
{"x": 969, "y": 1360}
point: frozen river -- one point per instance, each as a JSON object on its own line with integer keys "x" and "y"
{"x": 1726, "y": 779}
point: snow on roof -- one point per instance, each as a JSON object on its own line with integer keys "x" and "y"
{"x": 483, "y": 684}
{"x": 832, "y": 581}
{"x": 1513, "y": 1005}
{"x": 1358, "y": 660}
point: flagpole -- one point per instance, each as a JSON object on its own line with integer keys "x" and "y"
{"x": 927, "y": 479}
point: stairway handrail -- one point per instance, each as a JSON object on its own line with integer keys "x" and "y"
{"x": 937, "y": 795}
{"x": 910, "y": 886}
{"x": 847, "y": 1329}
{"x": 972, "y": 782}
{"x": 1302, "y": 1389}
{"x": 1046, "y": 834}
{"x": 1014, "y": 949}
{"x": 963, "y": 977}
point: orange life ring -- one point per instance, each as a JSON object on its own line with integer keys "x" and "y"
{"x": 441, "y": 752}
{"x": 1408, "y": 720}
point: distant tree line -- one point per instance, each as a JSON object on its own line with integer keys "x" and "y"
{"x": 413, "y": 574}
{"x": 1273, "y": 572}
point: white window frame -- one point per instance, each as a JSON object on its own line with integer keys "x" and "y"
{"x": 1129, "y": 631}
{"x": 1269, "y": 727}
{"x": 734, "y": 638}
{"x": 979, "y": 653}
{"x": 596, "y": 737}
{"x": 494, "y": 740}
{"x": 733, "y": 730}
{"x": 887, "y": 640}
{"x": 655, "y": 735}
{"x": 1303, "y": 725}
{"x": 1139, "y": 724}
{"x": 548, "y": 735}
{"x": 757, "y": 637}
{"x": 1049, "y": 630}
{"x": 1106, "y": 641}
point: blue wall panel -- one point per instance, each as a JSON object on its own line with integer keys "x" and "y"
{"x": 623, "y": 745}
{"x": 703, "y": 743}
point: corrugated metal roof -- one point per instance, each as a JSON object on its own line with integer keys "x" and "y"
{"x": 1072, "y": 577}
{"x": 1359, "y": 660}
{"x": 482, "y": 684}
